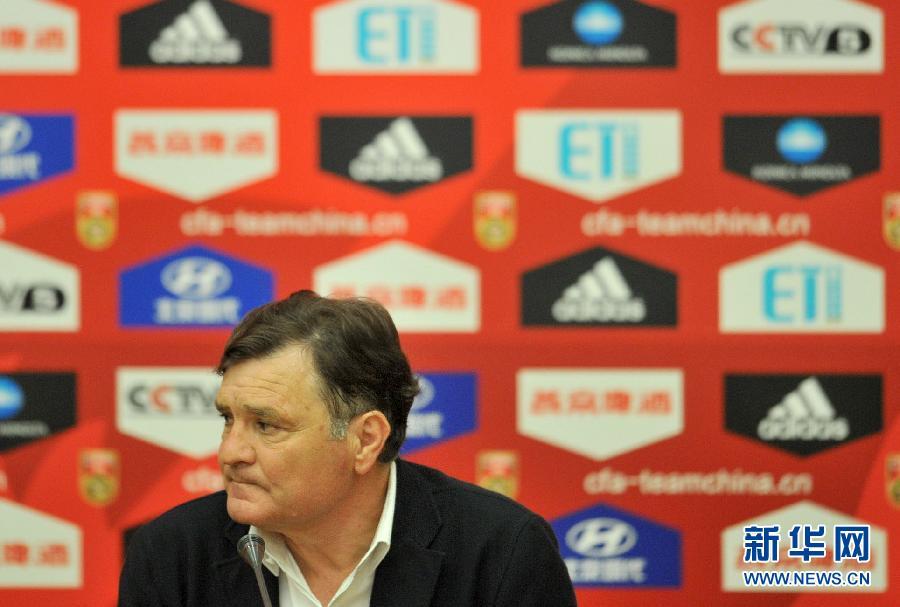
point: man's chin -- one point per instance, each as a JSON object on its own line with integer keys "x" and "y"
{"x": 243, "y": 511}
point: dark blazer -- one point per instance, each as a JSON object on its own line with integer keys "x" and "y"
{"x": 453, "y": 545}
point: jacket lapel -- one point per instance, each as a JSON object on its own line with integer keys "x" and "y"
{"x": 235, "y": 578}
{"x": 408, "y": 574}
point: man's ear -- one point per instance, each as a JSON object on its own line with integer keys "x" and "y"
{"x": 372, "y": 430}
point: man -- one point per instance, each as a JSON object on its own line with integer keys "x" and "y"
{"x": 315, "y": 395}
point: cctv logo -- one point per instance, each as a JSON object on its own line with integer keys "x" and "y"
{"x": 804, "y": 414}
{"x": 801, "y": 288}
{"x": 604, "y": 547}
{"x": 801, "y": 36}
{"x": 172, "y": 407}
{"x": 395, "y": 37}
{"x": 598, "y": 155}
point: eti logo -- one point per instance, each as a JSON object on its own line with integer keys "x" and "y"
{"x": 395, "y": 36}
{"x": 598, "y": 155}
{"x": 801, "y": 288}
{"x": 604, "y": 547}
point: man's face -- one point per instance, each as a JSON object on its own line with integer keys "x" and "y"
{"x": 282, "y": 469}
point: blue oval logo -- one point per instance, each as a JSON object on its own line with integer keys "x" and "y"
{"x": 196, "y": 278}
{"x": 598, "y": 22}
{"x": 12, "y": 399}
{"x": 801, "y": 140}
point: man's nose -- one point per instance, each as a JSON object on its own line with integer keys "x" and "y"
{"x": 235, "y": 447}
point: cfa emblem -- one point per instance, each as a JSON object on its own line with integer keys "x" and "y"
{"x": 494, "y": 217}
{"x": 96, "y": 218}
{"x": 892, "y": 219}
{"x": 498, "y": 471}
{"x": 98, "y": 476}
{"x": 892, "y": 478}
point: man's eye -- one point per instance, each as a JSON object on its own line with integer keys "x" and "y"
{"x": 226, "y": 417}
{"x": 264, "y": 427}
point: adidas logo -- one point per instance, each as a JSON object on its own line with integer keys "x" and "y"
{"x": 602, "y": 294}
{"x": 396, "y": 154}
{"x": 196, "y": 36}
{"x": 804, "y": 414}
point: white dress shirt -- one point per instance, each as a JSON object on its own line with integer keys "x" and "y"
{"x": 356, "y": 589}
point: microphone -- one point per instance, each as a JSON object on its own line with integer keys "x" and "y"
{"x": 251, "y": 547}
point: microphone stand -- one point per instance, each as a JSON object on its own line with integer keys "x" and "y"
{"x": 252, "y": 548}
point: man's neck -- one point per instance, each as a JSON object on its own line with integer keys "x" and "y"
{"x": 328, "y": 551}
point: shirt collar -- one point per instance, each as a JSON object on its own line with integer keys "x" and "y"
{"x": 278, "y": 557}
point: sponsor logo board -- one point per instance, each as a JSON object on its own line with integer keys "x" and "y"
{"x": 425, "y": 292}
{"x": 171, "y": 407}
{"x": 193, "y": 287}
{"x": 35, "y": 406}
{"x": 801, "y": 513}
{"x": 34, "y": 148}
{"x": 598, "y": 33}
{"x": 395, "y": 154}
{"x": 446, "y": 407}
{"x": 803, "y": 414}
{"x": 37, "y": 293}
{"x": 801, "y": 288}
{"x": 605, "y": 547}
{"x": 38, "y": 37}
{"x": 395, "y": 37}
{"x": 196, "y": 154}
{"x": 598, "y": 154}
{"x": 599, "y": 287}
{"x": 802, "y": 155}
{"x": 801, "y": 36}
{"x": 198, "y": 33}
{"x": 38, "y": 550}
{"x": 600, "y": 413}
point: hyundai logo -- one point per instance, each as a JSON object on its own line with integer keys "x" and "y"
{"x": 15, "y": 134}
{"x": 425, "y": 395}
{"x": 601, "y": 537}
{"x": 196, "y": 278}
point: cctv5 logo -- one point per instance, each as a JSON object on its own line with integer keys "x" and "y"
{"x": 601, "y": 537}
{"x": 598, "y": 155}
{"x": 801, "y": 288}
{"x": 801, "y": 36}
{"x": 792, "y": 39}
